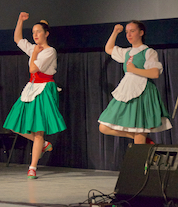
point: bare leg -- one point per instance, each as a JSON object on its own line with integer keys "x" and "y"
{"x": 140, "y": 138}
{"x": 28, "y": 136}
{"x": 37, "y": 147}
{"x": 108, "y": 131}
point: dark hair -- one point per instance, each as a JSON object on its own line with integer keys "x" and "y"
{"x": 141, "y": 26}
{"x": 46, "y": 27}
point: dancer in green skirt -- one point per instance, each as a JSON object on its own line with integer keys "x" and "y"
{"x": 36, "y": 112}
{"x": 136, "y": 108}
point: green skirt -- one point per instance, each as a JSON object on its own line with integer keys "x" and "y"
{"x": 144, "y": 111}
{"x": 42, "y": 114}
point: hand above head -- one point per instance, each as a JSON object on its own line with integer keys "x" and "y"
{"x": 23, "y": 16}
{"x": 118, "y": 28}
{"x": 18, "y": 30}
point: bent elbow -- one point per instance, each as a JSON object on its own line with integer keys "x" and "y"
{"x": 16, "y": 40}
{"x": 32, "y": 70}
{"x": 157, "y": 74}
{"x": 108, "y": 50}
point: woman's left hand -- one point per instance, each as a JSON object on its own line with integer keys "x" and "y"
{"x": 130, "y": 67}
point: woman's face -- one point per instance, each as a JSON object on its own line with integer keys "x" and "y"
{"x": 39, "y": 35}
{"x": 134, "y": 34}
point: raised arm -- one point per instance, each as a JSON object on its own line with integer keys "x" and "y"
{"x": 18, "y": 30}
{"x": 111, "y": 41}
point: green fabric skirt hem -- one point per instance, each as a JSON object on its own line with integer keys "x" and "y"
{"x": 144, "y": 111}
{"x": 42, "y": 114}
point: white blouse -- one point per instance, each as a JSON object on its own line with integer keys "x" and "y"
{"x": 132, "y": 85}
{"x": 47, "y": 64}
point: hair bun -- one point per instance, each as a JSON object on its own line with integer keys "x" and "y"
{"x": 44, "y": 21}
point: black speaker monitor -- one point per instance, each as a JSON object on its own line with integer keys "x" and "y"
{"x": 149, "y": 172}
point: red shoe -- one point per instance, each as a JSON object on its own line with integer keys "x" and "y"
{"x": 48, "y": 147}
{"x": 31, "y": 174}
{"x": 149, "y": 141}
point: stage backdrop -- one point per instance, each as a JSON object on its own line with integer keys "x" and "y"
{"x": 87, "y": 79}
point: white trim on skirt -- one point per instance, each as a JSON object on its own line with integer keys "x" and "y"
{"x": 165, "y": 126}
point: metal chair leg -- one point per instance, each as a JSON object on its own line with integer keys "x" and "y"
{"x": 12, "y": 148}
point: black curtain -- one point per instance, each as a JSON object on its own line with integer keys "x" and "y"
{"x": 87, "y": 80}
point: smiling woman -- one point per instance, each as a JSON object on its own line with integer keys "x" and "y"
{"x": 136, "y": 108}
{"x": 36, "y": 111}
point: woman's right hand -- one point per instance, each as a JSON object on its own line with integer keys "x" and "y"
{"x": 118, "y": 28}
{"x": 38, "y": 49}
{"x": 23, "y": 16}
{"x": 18, "y": 30}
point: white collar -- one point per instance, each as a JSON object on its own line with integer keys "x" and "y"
{"x": 135, "y": 50}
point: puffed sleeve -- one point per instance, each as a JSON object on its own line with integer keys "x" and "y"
{"x": 26, "y": 46}
{"x": 47, "y": 61}
{"x": 152, "y": 60}
{"x": 118, "y": 54}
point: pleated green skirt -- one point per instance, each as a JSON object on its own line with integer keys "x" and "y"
{"x": 144, "y": 111}
{"x": 42, "y": 114}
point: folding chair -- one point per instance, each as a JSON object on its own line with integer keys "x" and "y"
{"x": 6, "y": 133}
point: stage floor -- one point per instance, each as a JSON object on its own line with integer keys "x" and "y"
{"x": 55, "y": 186}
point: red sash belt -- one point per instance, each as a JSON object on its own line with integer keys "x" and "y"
{"x": 39, "y": 77}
